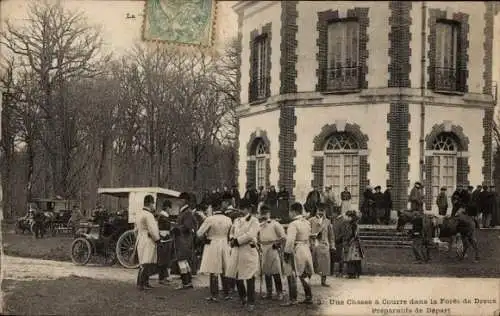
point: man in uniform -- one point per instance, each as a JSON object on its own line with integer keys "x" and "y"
{"x": 184, "y": 241}
{"x": 338, "y": 223}
{"x": 165, "y": 244}
{"x": 322, "y": 242}
{"x": 417, "y": 198}
{"x": 271, "y": 236}
{"x": 297, "y": 256}
{"x": 75, "y": 219}
{"x": 214, "y": 232}
{"x": 147, "y": 236}
{"x": 244, "y": 258}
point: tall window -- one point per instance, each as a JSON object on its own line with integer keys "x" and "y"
{"x": 341, "y": 167}
{"x": 259, "y": 67}
{"x": 446, "y": 64}
{"x": 343, "y": 55}
{"x": 444, "y": 165}
{"x": 261, "y": 164}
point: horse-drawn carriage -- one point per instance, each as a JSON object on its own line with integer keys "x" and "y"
{"x": 111, "y": 236}
{"x": 56, "y": 214}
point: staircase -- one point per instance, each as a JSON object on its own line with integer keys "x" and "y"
{"x": 383, "y": 236}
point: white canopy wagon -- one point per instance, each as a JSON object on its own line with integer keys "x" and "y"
{"x": 120, "y": 232}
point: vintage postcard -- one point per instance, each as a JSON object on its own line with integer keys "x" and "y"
{"x": 203, "y": 157}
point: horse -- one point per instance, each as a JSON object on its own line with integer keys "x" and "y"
{"x": 453, "y": 229}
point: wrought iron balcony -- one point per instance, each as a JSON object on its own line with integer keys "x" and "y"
{"x": 258, "y": 88}
{"x": 447, "y": 79}
{"x": 342, "y": 79}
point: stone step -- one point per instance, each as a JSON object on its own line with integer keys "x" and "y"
{"x": 402, "y": 246}
{"x": 394, "y": 233}
{"x": 386, "y": 243}
{"x": 382, "y": 238}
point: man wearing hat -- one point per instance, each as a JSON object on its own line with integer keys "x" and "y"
{"x": 417, "y": 198}
{"x": 184, "y": 241}
{"x": 387, "y": 204}
{"x": 214, "y": 231}
{"x": 329, "y": 200}
{"x": 322, "y": 242}
{"x": 147, "y": 236}
{"x": 297, "y": 256}
{"x": 244, "y": 258}
{"x": 442, "y": 202}
{"x": 378, "y": 196}
{"x": 271, "y": 235}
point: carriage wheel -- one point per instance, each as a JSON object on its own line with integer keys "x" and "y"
{"x": 125, "y": 250}
{"x": 81, "y": 251}
{"x": 109, "y": 255}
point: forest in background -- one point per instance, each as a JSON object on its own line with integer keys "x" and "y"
{"x": 76, "y": 118}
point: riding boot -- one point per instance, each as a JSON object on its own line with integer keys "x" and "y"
{"x": 214, "y": 286}
{"x": 139, "y": 277}
{"x": 226, "y": 286}
{"x": 242, "y": 292}
{"x": 269, "y": 286}
{"x": 278, "y": 284}
{"x": 307, "y": 289}
{"x": 323, "y": 281}
{"x": 292, "y": 288}
{"x": 251, "y": 291}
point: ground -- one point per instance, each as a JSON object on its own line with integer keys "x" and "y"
{"x": 30, "y": 283}
{"x": 379, "y": 261}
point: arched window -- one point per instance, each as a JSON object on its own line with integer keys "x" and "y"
{"x": 261, "y": 156}
{"x": 341, "y": 165}
{"x": 444, "y": 164}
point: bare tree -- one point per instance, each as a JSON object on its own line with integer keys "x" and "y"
{"x": 59, "y": 48}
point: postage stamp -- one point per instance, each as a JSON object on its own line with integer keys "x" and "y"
{"x": 183, "y": 22}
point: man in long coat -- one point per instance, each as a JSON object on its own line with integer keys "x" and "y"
{"x": 387, "y": 204}
{"x": 322, "y": 242}
{"x": 312, "y": 200}
{"x": 271, "y": 236}
{"x": 215, "y": 230}
{"x": 338, "y": 223}
{"x": 329, "y": 200}
{"x": 368, "y": 206}
{"x": 184, "y": 241}
{"x": 283, "y": 202}
{"x": 297, "y": 256}
{"x": 147, "y": 236}
{"x": 417, "y": 198}
{"x": 244, "y": 259}
{"x": 251, "y": 195}
{"x": 164, "y": 247}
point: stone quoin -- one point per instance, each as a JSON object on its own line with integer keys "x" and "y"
{"x": 351, "y": 94}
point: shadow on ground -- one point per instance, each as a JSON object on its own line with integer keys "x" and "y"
{"x": 84, "y": 296}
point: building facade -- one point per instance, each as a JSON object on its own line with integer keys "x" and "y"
{"x": 351, "y": 94}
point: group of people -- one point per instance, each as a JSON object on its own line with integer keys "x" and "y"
{"x": 480, "y": 203}
{"x": 377, "y": 206}
{"x": 241, "y": 243}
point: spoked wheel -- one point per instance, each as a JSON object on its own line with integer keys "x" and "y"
{"x": 81, "y": 251}
{"x": 125, "y": 250}
{"x": 109, "y": 255}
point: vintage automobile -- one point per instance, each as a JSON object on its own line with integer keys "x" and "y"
{"x": 111, "y": 235}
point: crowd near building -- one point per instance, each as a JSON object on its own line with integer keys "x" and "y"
{"x": 351, "y": 94}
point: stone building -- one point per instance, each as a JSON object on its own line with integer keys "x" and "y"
{"x": 360, "y": 93}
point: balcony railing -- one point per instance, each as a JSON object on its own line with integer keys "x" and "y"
{"x": 447, "y": 79}
{"x": 258, "y": 88}
{"x": 342, "y": 78}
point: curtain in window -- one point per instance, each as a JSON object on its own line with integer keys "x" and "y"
{"x": 343, "y": 41}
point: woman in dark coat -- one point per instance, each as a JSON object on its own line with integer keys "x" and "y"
{"x": 272, "y": 200}
{"x": 283, "y": 203}
{"x": 353, "y": 253}
{"x": 368, "y": 205}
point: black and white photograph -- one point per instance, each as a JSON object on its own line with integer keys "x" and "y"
{"x": 204, "y": 157}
